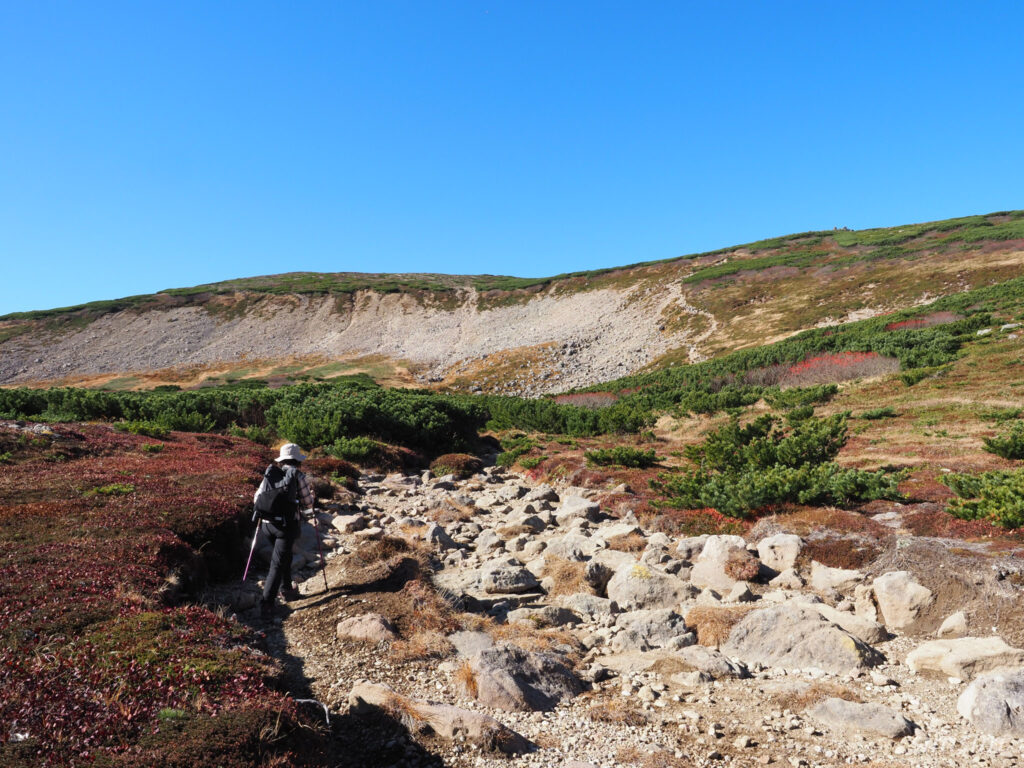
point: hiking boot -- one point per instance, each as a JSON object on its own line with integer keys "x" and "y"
{"x": 290, "y": 593}
{"x": 266, "y": 610}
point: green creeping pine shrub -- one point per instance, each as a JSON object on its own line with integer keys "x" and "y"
{"x": 147, "y": 428}
{"x": 885, "y": 412}
{"x": 113, "y": 489}
{"x": 994, "y": 496}
{"x": 798, "y": 414}
{"x": 1009, "y": 446}
{"x": 622, "y": 456}
{"x": 358, "y": 449}
{"x": 744, "y": 468}
{"x": 530, "y": 462}
{"x": 800, "y": 397}
{"x": 737, "y": 493}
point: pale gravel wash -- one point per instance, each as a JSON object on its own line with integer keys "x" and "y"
{"x": 598, "y": 335}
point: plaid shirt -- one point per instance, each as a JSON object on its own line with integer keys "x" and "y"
{"x": 306, "y": 498}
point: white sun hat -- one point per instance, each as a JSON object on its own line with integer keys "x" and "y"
{"x": 290, "y": 452}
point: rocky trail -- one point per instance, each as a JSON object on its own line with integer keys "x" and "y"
{"x": 466, "y": 620}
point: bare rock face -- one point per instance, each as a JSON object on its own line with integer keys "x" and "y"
{"x": 507, "y": 576}
{"x": 955, "y": 625}
{"x": 509, "y": 678}
{"x": 371, "y": 627}
{"x": 718, "y": 554}
{"x": 779, "y": 552}
{"x": 638, "y": 586}
{"x": 966, "y": 657}
{"x": 900, "y": 598}
{"x": 994, "y": 703}
{"x": 852, "y": 718}
{"x": 647, "y": 630}
{"x": 824, "y": 578}
{"x": 711, "y": 662}
{"x": 796, "y": 636}
{"x": 577, "y": 507}
{"x": 448, "y": 722}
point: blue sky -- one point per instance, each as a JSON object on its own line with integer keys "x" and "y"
{"x": 154, "y": 145}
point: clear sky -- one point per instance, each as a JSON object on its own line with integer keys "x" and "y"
{"x": 152, "y": 145}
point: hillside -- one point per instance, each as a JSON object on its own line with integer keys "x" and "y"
{"x": 503, "y": 334}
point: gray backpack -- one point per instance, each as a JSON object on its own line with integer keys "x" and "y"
{"x": 278, "y": 495}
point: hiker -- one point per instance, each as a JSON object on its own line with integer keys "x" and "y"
{"x": 281, "y": 526}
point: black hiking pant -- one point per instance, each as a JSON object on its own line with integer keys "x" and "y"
{"x": 280, "y": 571}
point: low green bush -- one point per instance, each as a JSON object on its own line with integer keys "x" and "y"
{"x": 622, "y": 456}
{"x": 460, "y": 464}
{"x": 531, "y": 462}
{"x": 1010, "y": 445}
{"x": 885, "y": 412}
{"x": 147, "y": 428}
{"x": 361, "y": 450}
{"x": 800, "y": 397}
{"x": 994, "y": 496}
{"x": 743, "y": 468}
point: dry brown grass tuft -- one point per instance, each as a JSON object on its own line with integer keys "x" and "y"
{"x": 402, "y": 709}
{"x": 465, "y": 680}
{"x": 853, "y": 552}
{"x": 511, "y": 531}
{"x": 741, "y": 565}
{"x": 428, "y": 611}
{"x": 567, "y": 576}
{"x": 617, "y": 711}
{"x": 713, "y": 623}
{"x": 812, "y": 694}
{"x": 535, "y": 638}
{"x": 450, "y": 511}
{"x": 421, "y": 646}
{"x": 383, "y": 548}
{"x": 630, "y": 542}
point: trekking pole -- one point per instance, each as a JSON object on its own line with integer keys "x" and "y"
{"x": 255, "y": 535}
{"x": 320, "y": 549}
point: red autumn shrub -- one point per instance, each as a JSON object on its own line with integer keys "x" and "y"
{"x": 826, "y": 368}
{"x": 926, "y": 321}
{"x": 91, "y": 661}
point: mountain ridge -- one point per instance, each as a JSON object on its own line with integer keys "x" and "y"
{"x": 526, "y": 336}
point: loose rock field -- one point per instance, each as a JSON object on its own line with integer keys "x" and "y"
{"x": 549, "y": 630}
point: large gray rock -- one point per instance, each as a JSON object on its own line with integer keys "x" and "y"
{"x": 779, "y": 552}
{"x": 824, "y": 578}
{"x": 900, "y": 598}
{"x": 505, "y": 577}
{"x": 955, "y": 625}
{"x": 794, "y": 636}
{"x": 637, "y": 586}
{"x": 573, "y": 546}
{"x": 851, "y": 718}
{"x": 586, "y": 605}
{"x": 966, "y": 657}
{"x": 994, "y": 703}
{"x": 647, "y": 630}
{"x": 448, "y": 722}
{"x": 863, "y": 629}
{"x": 542, "y": 493}
{"x": 577, "y": 507}
{"x": 544, "y": 616}
{"x": 509, "y": 678}
{"x": 468, "y": 643}
{"x": 371, "y": 627}
{"x": 709, "y": 571}
{"x": 689, "y": 549}
{"x": 713, "y": 663}
{"x": 437, "y": 536}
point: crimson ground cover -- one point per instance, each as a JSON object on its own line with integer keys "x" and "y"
{"x": 97, "y": 665}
